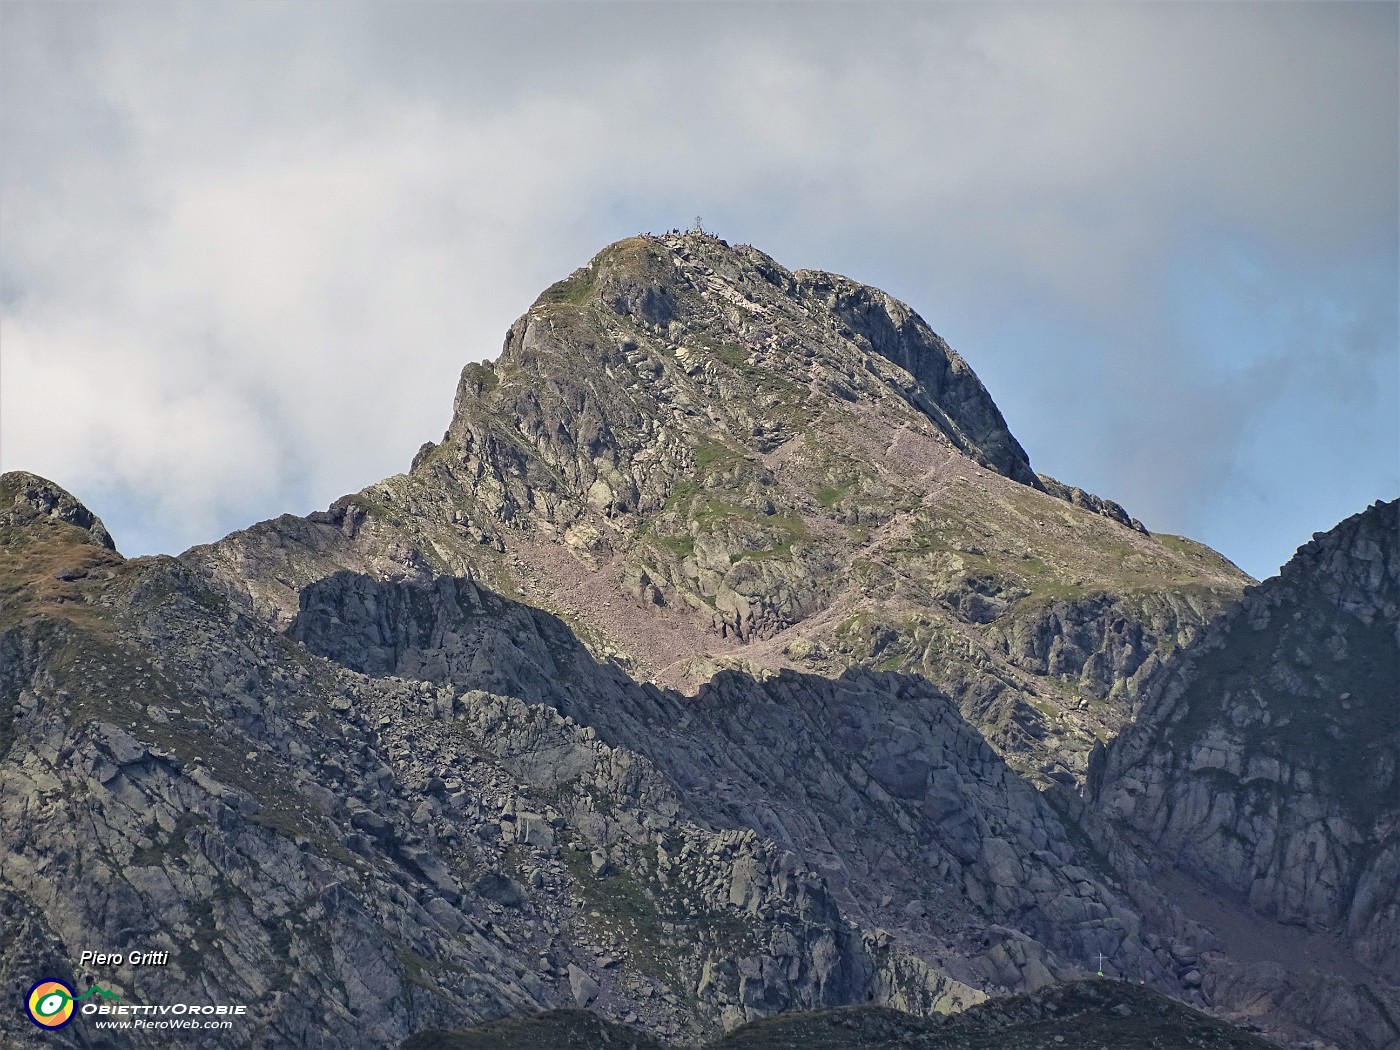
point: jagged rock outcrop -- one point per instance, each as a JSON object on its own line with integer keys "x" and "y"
{"x": 1080, "y": 498}
{"x": 699, "y": 459}
{"x": 27, "y": 498}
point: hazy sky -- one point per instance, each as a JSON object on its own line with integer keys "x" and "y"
{"x": 245, "y": 248}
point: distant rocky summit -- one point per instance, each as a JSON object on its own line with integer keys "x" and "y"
{"x": 699, "y": 459}
{"x": 726, "y": 660}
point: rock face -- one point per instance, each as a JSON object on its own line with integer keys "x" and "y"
{"x": 359, "y": 855}
{"x": 875, "y": 778}
{"x": 354, "y": 857}
{"x": 699, "y": 459}
{"x": 1265, "y": 760}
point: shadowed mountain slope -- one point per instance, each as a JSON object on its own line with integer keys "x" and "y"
{"x": 459, "y": 815}
{"x": 1263, "y": 778}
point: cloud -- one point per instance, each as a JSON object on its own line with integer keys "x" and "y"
{"x": 248, "y": 247}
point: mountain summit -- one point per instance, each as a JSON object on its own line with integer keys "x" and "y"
{"x": 660, "y": 314}
{"x": 700, "y": 459}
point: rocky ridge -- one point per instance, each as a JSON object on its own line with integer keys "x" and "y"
{"x": 27, "y": 498}
{"x": 1094, "y": 1013}
{"x": 358, "y": 857}
{"x": 1264, "y": 769}
{"x": 361, "y": 855}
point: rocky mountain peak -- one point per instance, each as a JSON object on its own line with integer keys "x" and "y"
{"x": 723, "y": 660}
{"x": 1355, "y": 565}
{"x": 949, "y": 392}
{"x": 700, "y": 459}
{"x": 27, "y": 499}
{"x": 693, "y": 311}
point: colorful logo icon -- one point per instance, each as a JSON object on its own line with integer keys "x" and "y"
{"x": 50, "y": 1004}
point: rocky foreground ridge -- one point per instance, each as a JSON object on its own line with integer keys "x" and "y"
{"x": 1094, "y": 1013}
{"x": 440, "y": 754}
{"x": 362, "y": 855}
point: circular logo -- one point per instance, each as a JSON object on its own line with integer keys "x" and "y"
{"x": 50, "y": 1004}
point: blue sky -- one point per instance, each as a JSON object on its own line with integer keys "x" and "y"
{"x": 247, "y": 247}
